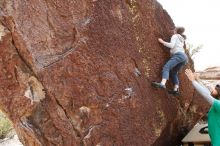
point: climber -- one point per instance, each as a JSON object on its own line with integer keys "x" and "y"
{"x": 214, "y": 113}
{"x": 177, "y": 60}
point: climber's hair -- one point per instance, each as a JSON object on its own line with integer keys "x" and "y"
{"x": 180, "y": 30}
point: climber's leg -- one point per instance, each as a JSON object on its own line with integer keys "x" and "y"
{"x": 172, "y": 62}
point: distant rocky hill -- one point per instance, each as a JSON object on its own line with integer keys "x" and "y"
{"x": 212, "y": 73}
{"x": 210, "y": 76}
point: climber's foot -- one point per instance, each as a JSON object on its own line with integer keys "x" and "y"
{"x": 174, "y": 92}
{"x": 158, "y": 85}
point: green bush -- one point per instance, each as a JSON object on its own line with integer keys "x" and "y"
{"x": 5, "y": 125}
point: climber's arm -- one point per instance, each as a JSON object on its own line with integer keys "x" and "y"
{"x": 170, "y": 44}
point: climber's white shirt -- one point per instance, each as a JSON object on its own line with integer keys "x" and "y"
{"x": 176, "y": 44}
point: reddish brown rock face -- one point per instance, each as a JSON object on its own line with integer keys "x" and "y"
{"x": 79, "y": 73}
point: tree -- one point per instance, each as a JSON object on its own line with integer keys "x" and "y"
{"x": 192, "y": 50}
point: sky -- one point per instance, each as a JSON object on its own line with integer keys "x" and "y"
{"x": 201, "y": 19}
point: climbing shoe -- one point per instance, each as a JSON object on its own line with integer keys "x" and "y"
{"x": 174, "y": 92}
{"x": 158, "y": 85}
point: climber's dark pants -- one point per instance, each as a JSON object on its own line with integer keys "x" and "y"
{"x": 174, "y": 64}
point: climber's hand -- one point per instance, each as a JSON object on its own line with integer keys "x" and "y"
{"x": 160, "y": 40}
{"x": 190, "y": 75}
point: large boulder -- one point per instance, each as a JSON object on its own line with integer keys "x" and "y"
{"x": 79, "y": 73}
